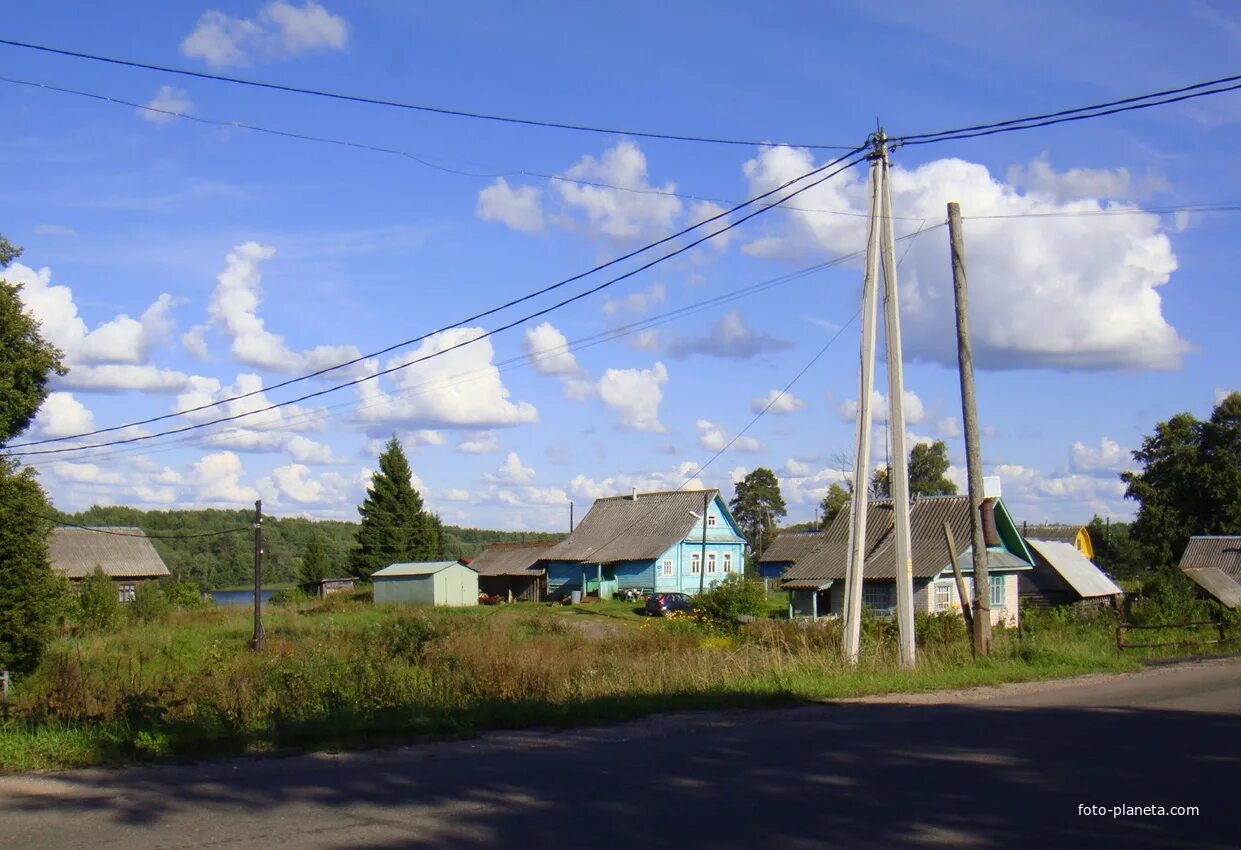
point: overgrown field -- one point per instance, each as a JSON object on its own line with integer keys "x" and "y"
{"x": 345, "y": 673}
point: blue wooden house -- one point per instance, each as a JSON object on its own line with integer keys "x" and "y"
{"x": 648, "y": 541}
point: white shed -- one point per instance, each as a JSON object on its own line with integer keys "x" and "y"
{"x": 449, "y": 583}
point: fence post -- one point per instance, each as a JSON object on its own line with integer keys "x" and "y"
{"x": 1120, "y": 640}
{"x": 1220, "y": 623}
{"x": 4, "y": 691}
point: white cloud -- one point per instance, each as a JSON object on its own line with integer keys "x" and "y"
{"x": 460, "y": 387}
{"x": 520, "y": 208}
{"x": 915, "y": 411}
{"x": 615, "y": 214}
{"x": 1062, "y": 498}
{"x": 293, "y": 483}
{"x": 703, "y": 210}
{"x": 85, "y": 473}
{"x": 61, "y": 415}
{"x": 728, "y": 337}
{"x": 513, "y": 471}
{"x": 1220, "y": 395}
{"x": 780, "y": 405}
{"x": 280, "y": 30}
{"x": 684, "y": 475}
{"x": 1072, "y": 185}
{"x": 1110, "y": 457}
{"x": 635, "y": 395}
{"x": 712, "y": 438}
{"x": 167, "y": 100}
{"x": 549, "y": 350}
{"x": 120, "y": 378}
{"x": 194, "y": 342}
{"x": 637, "y": 302}
{"x": 1087, "y": 286}
{"x": 217, "y": 478}
{"x": 479, "y": 444}
{"x": 54, "y": 230}
{"x": 455, "y": 495}
{"x": 305, "y": 450}
{"x": 949, "y": 427}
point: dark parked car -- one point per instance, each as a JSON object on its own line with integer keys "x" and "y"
{"x": 659, "y": 604}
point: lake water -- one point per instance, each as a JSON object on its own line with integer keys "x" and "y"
{"x": 239, "y": 597}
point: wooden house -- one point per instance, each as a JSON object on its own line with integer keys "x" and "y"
{"x": 1077, "y": 536}
{"x": 444, "y": 583}
{"x": 648, "y": 542}
{"x": 124, "y": 553}
{"x": 513, "y": 571}
{"x": 1063, "y": 574}
{"x": 815, "y": 580}
{"x": 1213, "y": 563}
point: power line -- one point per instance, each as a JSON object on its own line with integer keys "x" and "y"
{"x": 1080, "y": 113}
{"x": 109, "y": 531}
{"x": 1231, "y": 206}
{"x": 482, "y": 315}
{"x": 538, "y": 313}
{"x": 376, "y": 101}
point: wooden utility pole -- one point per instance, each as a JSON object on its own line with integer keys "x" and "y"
{"x": 966, "y": 613}
{"x": 259, "y": 638}
{"x": 852, "y": 640}
{"x": 973, "y": 451}
{"x": 898, "y": 472}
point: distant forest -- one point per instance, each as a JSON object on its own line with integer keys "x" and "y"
{"x": 227, "y": 560}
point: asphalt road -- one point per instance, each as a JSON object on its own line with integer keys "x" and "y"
{"x": 1000, "y": 768}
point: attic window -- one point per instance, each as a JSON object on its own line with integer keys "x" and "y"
{"x": 711, "y": 519}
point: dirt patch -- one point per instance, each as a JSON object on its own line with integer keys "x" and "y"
{"x": 595, "y": 627}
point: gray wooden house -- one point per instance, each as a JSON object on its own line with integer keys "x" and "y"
{"x": 513, "y": 571}
{"x": 1213, "y": 562}
{"x": 1063, "y": 574}
{"x": 124, "y": 553}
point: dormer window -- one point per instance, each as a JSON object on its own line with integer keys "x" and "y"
{"x": 711, "y": 520}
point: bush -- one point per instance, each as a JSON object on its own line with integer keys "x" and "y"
{"x": 732, "y": 598}
{"x": 99, "y": 607}
{"x": 150, "y": 602}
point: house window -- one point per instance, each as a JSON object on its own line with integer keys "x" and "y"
{"x": 728, "y": 562}
{"x": 943, "y": 595}
{"x": 667, "y": 568}
{"x": 695, "y": 564}
{"x": 126, "y": 592}
{"x": 711, "y": 520}
{"x": 710, "y": 562}
{"x": 877, "y": 595}
{"x": 997, "y": 591}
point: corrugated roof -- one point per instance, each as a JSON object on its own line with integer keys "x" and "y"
{"x": 928, "y": 549}
{"x": 1217, "y": 583}
{"x": 511, "y": 559}
{"x": 124, "y": 553}
{"x": 790, "y": 546}
{"x": 621, "y": 528}
{"x": 1058, "y": 533}
{"x": 423, "y": 568}
{"x": 1221, "y": 551}
{"x": 1074, "y": 567}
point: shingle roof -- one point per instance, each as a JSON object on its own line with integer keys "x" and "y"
{"x": 423, "y": 568}
{"x": 791, "y": 546}
{"x": 621, "y": 528}
{"x": 928, "y": 549}
{"x": 1074, "y": 567}
{"x": 511, "y": 559}
{"x": 1058, "y": 533}
{"x": 124, "y": 553}
{"x": 1214, "y": 563}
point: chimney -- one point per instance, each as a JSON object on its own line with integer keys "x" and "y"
{"x": 990, "y": 534}
{"x": 634, "y": 495}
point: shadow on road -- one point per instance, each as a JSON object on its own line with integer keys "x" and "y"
{"x": 836, "y": 775}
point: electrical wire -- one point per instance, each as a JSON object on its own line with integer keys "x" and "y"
{"x": 477, "y": 316}
{"x": 108, "y": 531}
{"x": 486, "y": 334}
{"x": 376, "y": 101}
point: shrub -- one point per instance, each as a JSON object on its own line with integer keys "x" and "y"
{"x": 150, "y": 602}
{"x": 732, "y": 598}
{"x": 99, "y": 607}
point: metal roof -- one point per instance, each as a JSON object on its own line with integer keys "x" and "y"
{"x": 624, "y": 528}
{"x": 928, "y": 549}
{"x": 790, "y": 546}
{"x": 1074, "y": 567}
{"x": 125, "y": 552}
{"x": 1217, "y": 583}
{"x": 511, "y": 559}
{"x": 1058, "y": 533}
{"x": 1221, "y": 551}
{"x": 423, "y": 568}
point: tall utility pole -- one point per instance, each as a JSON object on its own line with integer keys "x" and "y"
{"x": 973, "y": 450}
{"x": 880, "y": 243}
{"x": 259, "y": 638}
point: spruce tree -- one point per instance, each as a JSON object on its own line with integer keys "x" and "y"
{"x": 315, "y": 566}
{"x": 395, "y": 526}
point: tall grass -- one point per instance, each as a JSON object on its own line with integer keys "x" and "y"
{"x": 344, "y": 673}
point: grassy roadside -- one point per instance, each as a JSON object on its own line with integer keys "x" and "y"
{"x": 346, "y": 674}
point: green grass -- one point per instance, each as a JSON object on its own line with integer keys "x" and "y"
{"x": 342, "y": 673}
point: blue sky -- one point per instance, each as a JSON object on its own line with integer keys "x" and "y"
{"x": 178, "y": 262}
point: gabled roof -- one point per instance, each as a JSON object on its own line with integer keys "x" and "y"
{"x": 928, "y": 549}
{"x": 624, "y": 528}
{"x": 511, "y": 559}
{"x": 1213, "y": 562}
{"x": 791, "y": 546}
{"x": 1059, "y": 533}
{"x": 1074, "y": 567}
{"x": 120, "y": 551}
{"x": 422, "y": 568}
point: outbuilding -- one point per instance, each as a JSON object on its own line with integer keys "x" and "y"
{"x": 446, "y": 583}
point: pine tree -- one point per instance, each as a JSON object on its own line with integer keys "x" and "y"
{"x": 757, "y": 506}
{"x": 395, "y": 526}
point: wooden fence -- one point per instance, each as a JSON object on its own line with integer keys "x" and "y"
{"x": 1124, "y": 628}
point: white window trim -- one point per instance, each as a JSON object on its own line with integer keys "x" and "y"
{"x": 711, "y": 563}
{"x": 694, "y": 565}
{"x": 728, "y": 562}
{"x": 711, "y": 520}
{"x": 943, "y": 589}
{"x": 998, "y": 583}
{"x": 669, "y": 568}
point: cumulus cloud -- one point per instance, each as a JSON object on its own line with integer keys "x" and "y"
{"x": 1109, "y": 457}
{"x": 637, "y": 302}
{"x": 459, "y": 388}
{"x": 712, "y": 438}
{"x": 520, "y": 208}
{"x": 550, "y": 355}
{"x": 479, "y": 444}
{"x": 616, "y": 214}
{"x": 635, "y": 395}
{"x": 61, "y": 415}
{"x": 915, "y": 411}
{"x": 949, "y": 427}
{"x": 119, "y": 378}
{"x": 217, "y": 478}
{"x": 167, "y": 103}
{"x": 1069, "y": 497}
{"x": 1087, "y": 287}
{"x": 280, "y": 30}
{"x": 777, "y": 403}
{"x": 1078, "y": 184}
{"x": 512, "y": 471}
{"x": 686, "y": 476}
{"x": 729, "y": 337}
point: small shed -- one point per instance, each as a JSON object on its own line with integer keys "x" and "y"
{"x": 446, "y": 583}
{"x": 1213, "y": 562}
{"x": 1062, "y": 575}
{"x": 327, "y": 586}
{"x": 124, "y": 553}
{"x": 513, "y": 571}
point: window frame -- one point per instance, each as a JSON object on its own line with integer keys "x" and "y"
{"x": 711, "y": 520}
{"x": 943, "y": 589}
{"x": 712, "y": 563}
{"x": 998, "y": 583}
{"x": 875, "y": 588}
{"x": 728, "y": 562}
{"x": 695, "y": 563}
{"x": 667, "y": 568}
